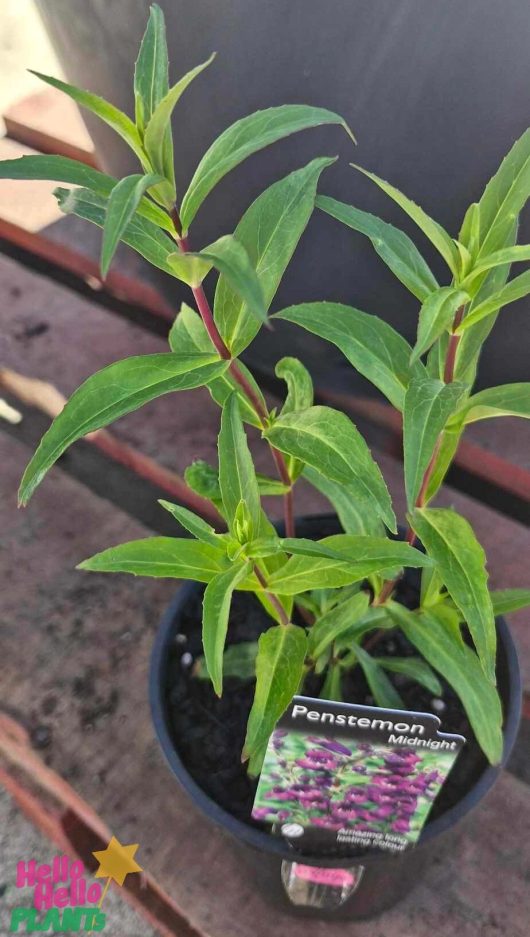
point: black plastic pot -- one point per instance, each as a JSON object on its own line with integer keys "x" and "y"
{"x": 372, "y": 884}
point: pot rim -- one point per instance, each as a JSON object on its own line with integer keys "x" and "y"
{"x": 265, "y": 842}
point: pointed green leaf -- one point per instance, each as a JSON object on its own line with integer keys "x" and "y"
{"x": 160, "y": 557}
{"x": 279, "y": 671}
{"x": 237, "y": 477}
{"x": 437, "y": 316}
{"x": 446, "y": 452}
{"x": 507, "y": 255}
{"x": 515, "y": 289}
{"x": 415, "y": 668}
{"x": 504, "y": 196}
{"x": 356, "y": 517}
{"x": 116, "y": 390}
{"x": 362, "y": 556}
{"x": 115, "y": 118}
{"x": 428, "y": 405}
{"x": 434, "y": 231}
{"x": 269, "y": 231}
{"x": 215, "y": 613}
{"x": 151, "y": 70}
{"x": 158, "y": 128}
{"x": 140, "y": 234}
{"x": 472, "y": 340}
{"x": 460, "y": 666}
{"x": 329, "y": 441}
{"x": 243, "y": 138}
{"x": 506, "y": 400}
{"x": 340, "y": 619}
{"x": 449, "y": 539}
{"x": 192, "y": 522}
{"x": 393, "y": 246}
{"x": 509, "y": 600}
{"x": 469, "y": 234}
{"x": 121, "y": 207}
{"x": 62, "y": 169}
{"x": 382, "y": 690}
{"x": 372, "y": 346}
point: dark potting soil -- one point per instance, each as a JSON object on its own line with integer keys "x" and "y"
{"x": 209, "y": 732}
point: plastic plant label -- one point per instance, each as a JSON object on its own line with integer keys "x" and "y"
{"x": 337, "y": 775}
{"x": 313, "y": 887}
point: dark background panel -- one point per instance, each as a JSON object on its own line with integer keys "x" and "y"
{"x": 435, "y": 92}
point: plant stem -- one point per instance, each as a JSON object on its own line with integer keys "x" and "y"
{"x": 410, "y": 537}
{"x": 273, "y": 599}
{"x": 223, "y": 351}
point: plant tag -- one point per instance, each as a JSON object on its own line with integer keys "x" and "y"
{"x": 341, "y": 775}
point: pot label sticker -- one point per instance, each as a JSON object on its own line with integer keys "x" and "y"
{"x": 337, "y": 774}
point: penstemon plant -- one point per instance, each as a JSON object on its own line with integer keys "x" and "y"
{"x": 341, "y": 586}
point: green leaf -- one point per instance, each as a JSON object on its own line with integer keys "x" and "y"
{"x": 362, "y": 556}
{"x": 382, "y": 690}
{"x": 231, "y": 259}
{"x": 204, "y": 480}
{"x": 243, "y": 138}
{"x": 436, "y": 316}
{"x": 116, "y": 390}
{"x": 299, "y": 384}
{"x": 62, "y": 169}
{"x": 472, "y": 341}
{"x": 449, "y": 539}
{"x": 215, "y": 612}
{"x": 330, "y": 626}
{"x": 434, "y": 231}
{"x": 415, "y": 668}
{"x": 507, "y": 255}
{"x": 393, "y": 246}
{"x": 188, "y": 334}
{"x": 356, "y": 517}
{"x": 151, "y": 70}
{"x": 237, "y": 478}
{"x": 329, "y": 441}
{"x": 121, "y": 208}
{"x": 504, "y": 196}
{"x": 332, "y": 686}
{"x": 506, "y": 400}
{"x": 372, "y": 346}
{"x": 515, "y": 289}
{"x": 279, "y": 670}
{"x": 190, "y": 268}
{"x": 469, "y": 234}
{"x": 193, "y": 523}
{"x": 115, "y": 118}
{"x": 140, "y": 234}
{"x": 239, "y": 661}
{"x": 460, "y": 666}
{"x": 428, "y": 405}
{"x": 157, "y": 137}
{"x": 269, "y": 231}
{"x": 160, "y": 557}
{"x": 450, "y": 441}
{"x": 509, "y": 600}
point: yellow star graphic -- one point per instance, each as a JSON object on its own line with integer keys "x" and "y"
{"x": 117, "y": 861}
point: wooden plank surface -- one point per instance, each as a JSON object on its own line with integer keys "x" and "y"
{"x": 76, "y": 650}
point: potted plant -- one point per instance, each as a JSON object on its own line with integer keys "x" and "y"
{"x": 339, "y": 606}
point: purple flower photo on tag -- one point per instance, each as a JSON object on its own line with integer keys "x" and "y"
{"x": 339, "y": 784}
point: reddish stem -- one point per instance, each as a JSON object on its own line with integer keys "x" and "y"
{"x": 454, "y": 341}
{"x": 273, "y": 599}
{"x": 224, "y": 352}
